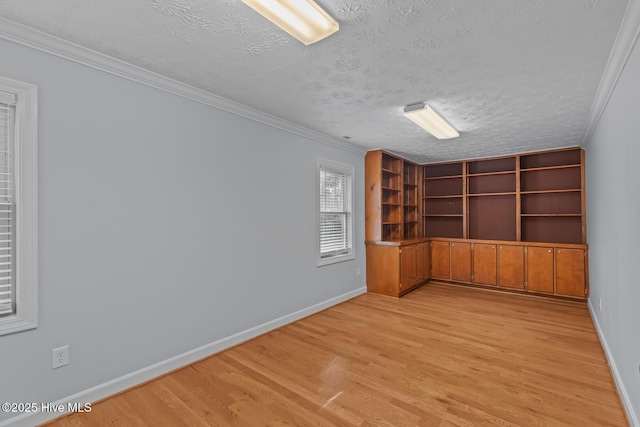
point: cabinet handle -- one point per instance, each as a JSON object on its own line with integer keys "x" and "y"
{"x": 493, "y": 247}
{"x": 559, "y": 251}
{"x": 453, "y": 244}
{"x": 548, "y": 250}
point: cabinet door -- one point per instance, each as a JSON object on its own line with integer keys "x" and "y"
{"x": 511, "y": 267}
{"x": 440, "y": 260}
{"x": 407, "y": 267}
{"x": 383, "y": 269}
{"x": 424, "y": 261}
{"x": 484, "y": 264}
{"x": 570, "y": 272}
{"x": 461, "y": 262}
{"x": 540, "y": 269}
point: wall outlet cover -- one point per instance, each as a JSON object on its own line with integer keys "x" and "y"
{"x": 59, "y": 357}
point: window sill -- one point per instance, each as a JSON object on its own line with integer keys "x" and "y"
{"x": 336, "y": 259}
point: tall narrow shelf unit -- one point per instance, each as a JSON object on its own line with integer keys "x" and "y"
{"x": 410, "y": 212}
{"x": 443, "y": 203}
{"x": 398, "y": 259}
{"x": 552, "y": 197}
{"x": 495, "y": 221}
{"x": 384, "y": 212}
{"x": 492, "y": 199}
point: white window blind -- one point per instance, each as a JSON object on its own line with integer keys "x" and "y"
{"x": 335, "y": 210}
{"x": 18, "y": 206}
{"x": 7, "y": 204}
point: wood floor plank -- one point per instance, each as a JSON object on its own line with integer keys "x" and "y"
{"x": 441, "y": 356}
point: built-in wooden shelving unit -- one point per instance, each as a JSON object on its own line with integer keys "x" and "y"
{"x": 536, "y": 198}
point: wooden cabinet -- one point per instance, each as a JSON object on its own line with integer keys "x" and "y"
{"x": 408, "y": 267}
{"x": 511, "y": 267}
{"x": 461, "y": 262}
{"x": 559, "y": 270}
{"x": 540, "y": 276}
{"x": 423, "y": 256}
{"x": 440, "y": 260}
{"x": 394, "y": 269}
{"x": 570, "y": 272}
{"x": 484, "y": 264}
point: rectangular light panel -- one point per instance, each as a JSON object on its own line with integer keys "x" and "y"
{"x": 429, "y": 120}
{"x": 303, "y": 19}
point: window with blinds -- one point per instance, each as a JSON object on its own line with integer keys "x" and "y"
{"x": 335, "y": 216}
{"x": 18, "y": 206}
{"x": 7, "y": 204}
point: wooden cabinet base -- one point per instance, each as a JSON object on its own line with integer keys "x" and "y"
{"x": 394, "y": 269}
{"x": 552, "y": 269}
{"x": 558, "y": 270}
{"x": 508, "y": 290}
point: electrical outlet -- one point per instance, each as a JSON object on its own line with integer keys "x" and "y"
{"x": 60, "y": 357}
{"x": 600, "y": 304}
{"x": 358, "y": 271}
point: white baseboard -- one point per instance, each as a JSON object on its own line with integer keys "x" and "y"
{"x": 631, "y": 414}
{"x": 124, "y": 382}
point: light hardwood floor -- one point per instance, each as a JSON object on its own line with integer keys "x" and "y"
{"x": 442, "y": 355}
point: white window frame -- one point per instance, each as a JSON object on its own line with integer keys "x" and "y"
{"x": 323, "y": 164}
{"x": 26, "y": 179}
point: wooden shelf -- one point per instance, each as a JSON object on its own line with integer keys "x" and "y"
{"x": 443, "y": 226}
{"x": 492, "y": 217}
{"x": 491, "y": 194}
{"x": 433, "y": 178}
{"x": 491, "y": 173}
{"x": 443, "y": 170}
{"x": 572, "y": 156}
{"x": 549, "y": 179}
{"x": 491, "y": 184}
{"x": 499, "y": 165}
{"x": 390, "y": 172}
{"x": 567, "y": 190}
{"x": 546, "y": 168}
{"x": 552, "y": 215}
{"x": 532, "y": 197}
{"x": 554, "y": 229}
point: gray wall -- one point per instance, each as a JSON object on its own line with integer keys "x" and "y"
{"x": 164, "y": 225}
{"x": 613, "y": 226}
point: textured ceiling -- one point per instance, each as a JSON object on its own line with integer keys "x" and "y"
{"x": 510, "y": 75}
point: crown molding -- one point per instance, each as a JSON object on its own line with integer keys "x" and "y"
{"x": 622, "y": 47}
{"x": 53, "y": 45}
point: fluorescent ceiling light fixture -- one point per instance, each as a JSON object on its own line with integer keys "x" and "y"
{"x": 429, "y": 120}
{"x": 303, "y": 19}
